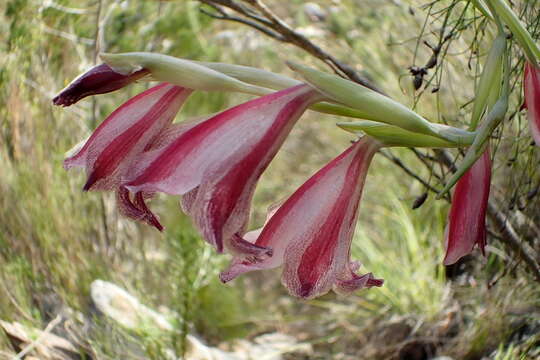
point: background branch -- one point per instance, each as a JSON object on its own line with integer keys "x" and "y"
{"x": 265, "y": 21}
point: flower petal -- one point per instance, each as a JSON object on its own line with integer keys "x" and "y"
{"x": 137, "y": 209}
{"x": 125, "y": 134}
{"x": 531, "y": 84}
{"x": 357, "y": 282}
{"x": 311, "y": 233}
{"x": 467, "y": 217}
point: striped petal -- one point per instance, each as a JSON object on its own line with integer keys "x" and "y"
{"x": 531, "y": 85}
{"x": 467, "y": 218}
{"x": 217, "y": 163}
{"x": 311, "y": 233}
{"x": 124, "y": 135}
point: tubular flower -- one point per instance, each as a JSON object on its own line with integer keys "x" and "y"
{"x": 100, "y": 79}
{"x": 118, "y": 141}
{"x": 467, "y": 218}
{"x": 311, "y": 233}
{"x": 531, "y": 86}
{"x": 216, "y": 163}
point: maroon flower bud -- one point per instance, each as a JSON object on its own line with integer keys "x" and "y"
{"x": 100, "y": 79}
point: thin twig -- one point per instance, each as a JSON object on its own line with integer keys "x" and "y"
{"x": 511, "y": 238}
{"x": 224, "y": 16}
{"x": 409, "y": 172}
{"x": 274, "y": 25}
{"x": 40, "y": 338}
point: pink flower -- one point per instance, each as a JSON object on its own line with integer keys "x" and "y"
{"x": 216, "y": 164}
{"x": 100, "y": 79}
{"x": 531, "y": 86}
{"x": 311, "y": 233}
{"x": 467, "y": 218}
{"x": 118, "y": 141}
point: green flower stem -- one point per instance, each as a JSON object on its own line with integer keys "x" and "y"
{"x": 479, "y": 4}
{"x": 392, "y": 136}
{"x": 377, "y": 107}
{"x": 179, "y": 72}
{"x": 267, "y": 79}
{"x": 488, "y": 79}
{"x": 492, "y": 121}
{"x": 252, "y": 75}
{"x": 523, "y": 37}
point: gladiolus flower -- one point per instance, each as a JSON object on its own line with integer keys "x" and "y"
{"x": 121, "y": 139}
{"x": 216, "y": 164}
{"x": 467, "y": 218}
{"x": 100, "y": 79}
{"x": 311, "y": 233}
{"x": 531, "y": 86}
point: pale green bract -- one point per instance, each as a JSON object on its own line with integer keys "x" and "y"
{"x": 179, "y": 72}
{"x": 374, "y": 106}
{"x": 391, "y": 135}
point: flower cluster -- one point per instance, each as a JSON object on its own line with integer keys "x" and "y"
{"x": 215, "y": 163}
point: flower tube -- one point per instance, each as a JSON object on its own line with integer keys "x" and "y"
{"x": 311, "y": 233}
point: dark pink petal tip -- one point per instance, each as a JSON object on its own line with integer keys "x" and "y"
{"x": 238, "y": 246}
{"x": 357, "y": 282}
{"x": 225, "y": 277}
{"x": 100, "y": 79}
{"x": 92, "y": 179}
{"x": 136, "y": 210}
{"x": 149, "y": 217}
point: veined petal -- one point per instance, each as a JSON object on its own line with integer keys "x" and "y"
{"x": 100, "y": 79}
{"x": 467, "y": 218}
{"x": 356, "y": 282}
{"x": 311, "y": 233}
{"x": 219, "y": 161}
{"x": 531, "y": 84}
{"x": 136, "y": 209}
{"x": 125, "y": 134}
